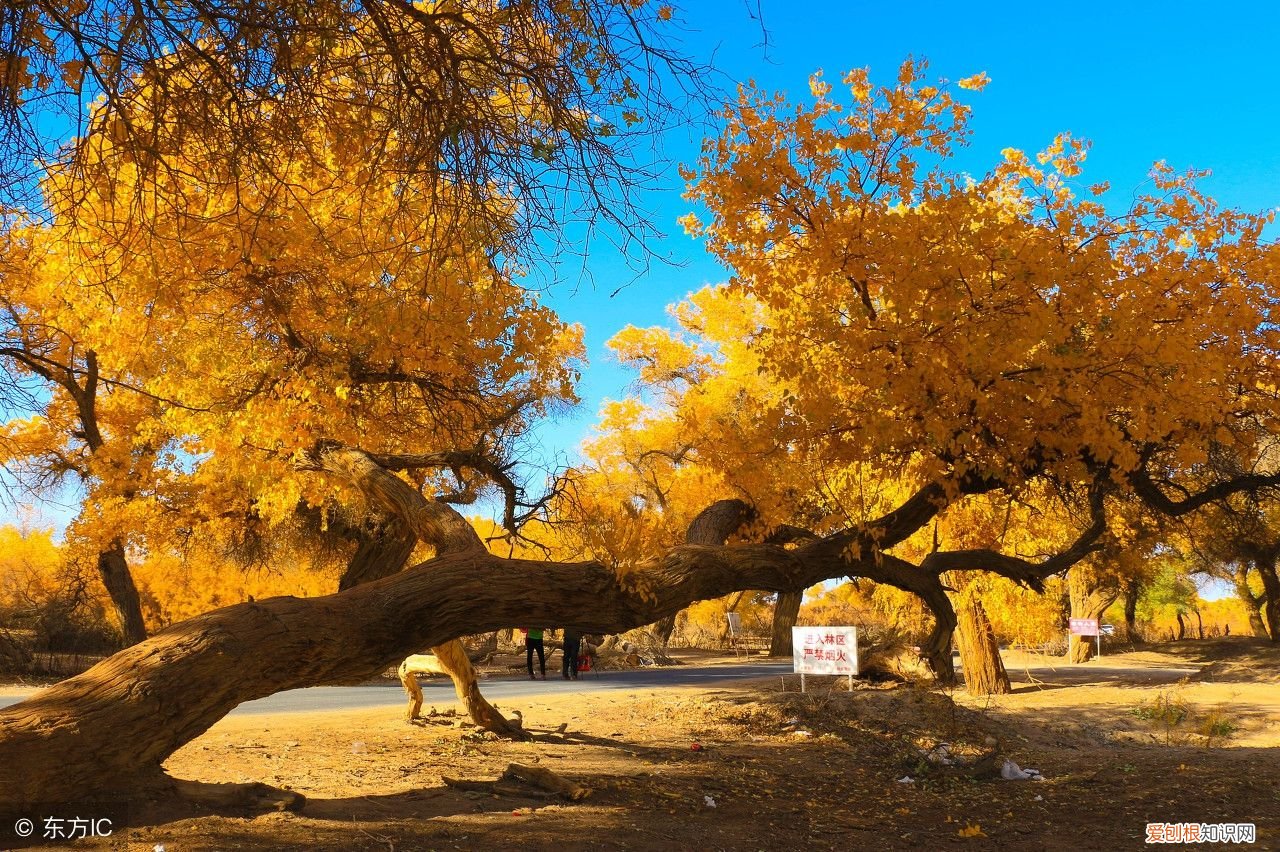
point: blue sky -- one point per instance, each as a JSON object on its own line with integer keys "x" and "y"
{"x": 1192, "y": 84}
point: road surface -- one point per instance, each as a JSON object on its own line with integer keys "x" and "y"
{"x": 440, "y": 690}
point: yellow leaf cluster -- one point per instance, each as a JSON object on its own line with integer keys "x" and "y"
{"x": 980, "y": 323}
{"x": 240, "y": 310}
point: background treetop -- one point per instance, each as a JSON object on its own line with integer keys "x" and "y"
{"x": 534, "y": 100}
{"x": 1005, "y": 323}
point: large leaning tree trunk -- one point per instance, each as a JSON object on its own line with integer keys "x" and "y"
{"x": 984, "y": 671}
{"x": 105, "y": 733}
{"x": 786, "y": 612}
{"x": 113, "y": 568}
{"x": 713, "y": 528}
{"x": 1089, "y": 599}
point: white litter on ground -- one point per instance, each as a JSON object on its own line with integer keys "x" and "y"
{"x": 1012, "y": 772}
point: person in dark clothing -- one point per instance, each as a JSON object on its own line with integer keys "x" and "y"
{"x": 533, "y": 642}
{"x": 572, "y": 647}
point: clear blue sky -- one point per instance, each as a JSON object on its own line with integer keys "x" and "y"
{"x": 1194, "y": 84}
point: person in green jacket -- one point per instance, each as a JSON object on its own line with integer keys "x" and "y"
{"x": 533, "y": 642}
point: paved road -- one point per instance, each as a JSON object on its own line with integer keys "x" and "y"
{"x": 440, "y": 690}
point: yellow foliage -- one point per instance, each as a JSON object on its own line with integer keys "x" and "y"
{"x": 705, "y": 621}
{"x": 894, "y": 321}
{"x": 976, "y": 323}
{"x": 235, "y": 311}
{"x": 177, "y": 587}
{"x": 31, "y": 567}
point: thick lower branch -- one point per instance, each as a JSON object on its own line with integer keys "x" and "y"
{"x": 89, "y": 734}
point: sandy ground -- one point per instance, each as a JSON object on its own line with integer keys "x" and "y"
{"x": 1110, "y": 698}
{"x": 757, "y": 767}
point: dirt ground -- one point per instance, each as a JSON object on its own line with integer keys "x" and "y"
{"x": 1121, "y": 742}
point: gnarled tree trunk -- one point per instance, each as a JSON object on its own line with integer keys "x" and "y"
{"x": 786, "y": 611}
{"x": 106, "y": 732}
{"x": 1252, "y": 603}
{"x": 113, "y": 568}
{"x": 984, "y": 671}
{"x": 381, "y": 551}
{"x": 1266, "y": 565}
{"x": 936, "y": 650}
{"x": 1089, "y": 599}
{"x": 1132, "y": 590}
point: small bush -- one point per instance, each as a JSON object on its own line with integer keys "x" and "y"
{"x": 1170, "y": 711}
{"x": 1165, "y": 709}
{"x": 1216, "y": 724}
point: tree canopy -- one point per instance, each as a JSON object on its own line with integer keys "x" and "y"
{"x": 282, "y": 268}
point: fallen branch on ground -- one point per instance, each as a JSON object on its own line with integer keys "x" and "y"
{"x": 549, "y": 784}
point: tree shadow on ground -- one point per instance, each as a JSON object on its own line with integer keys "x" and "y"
{"x": 820, "y": 795}
{"x": 774, "y": 770}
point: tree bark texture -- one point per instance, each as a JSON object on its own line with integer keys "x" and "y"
{"x": 984, "y": 671}
{"x": 381, "y": 551}
{"x": 786, "y": 611}
{"x": 1266, "y": 565}
{"x": 1089, "y": 599}
{"x": 1252, "y": 603}
{"x": 106, "y": 732}
{"x": 1132, "y": 590}
{"x": 936, "y": 649}
{"x": 665, "y": 628}
{"x": 113, "y": 568}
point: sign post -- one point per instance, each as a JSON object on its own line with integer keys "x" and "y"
{"x": 824, "y": 651}
{"x": 1086, "y": 627}
{"x": 735, "y": 632}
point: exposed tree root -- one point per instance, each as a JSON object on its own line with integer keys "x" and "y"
{"x": 548, "y": 783}
{"x": 253, "y": 797}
